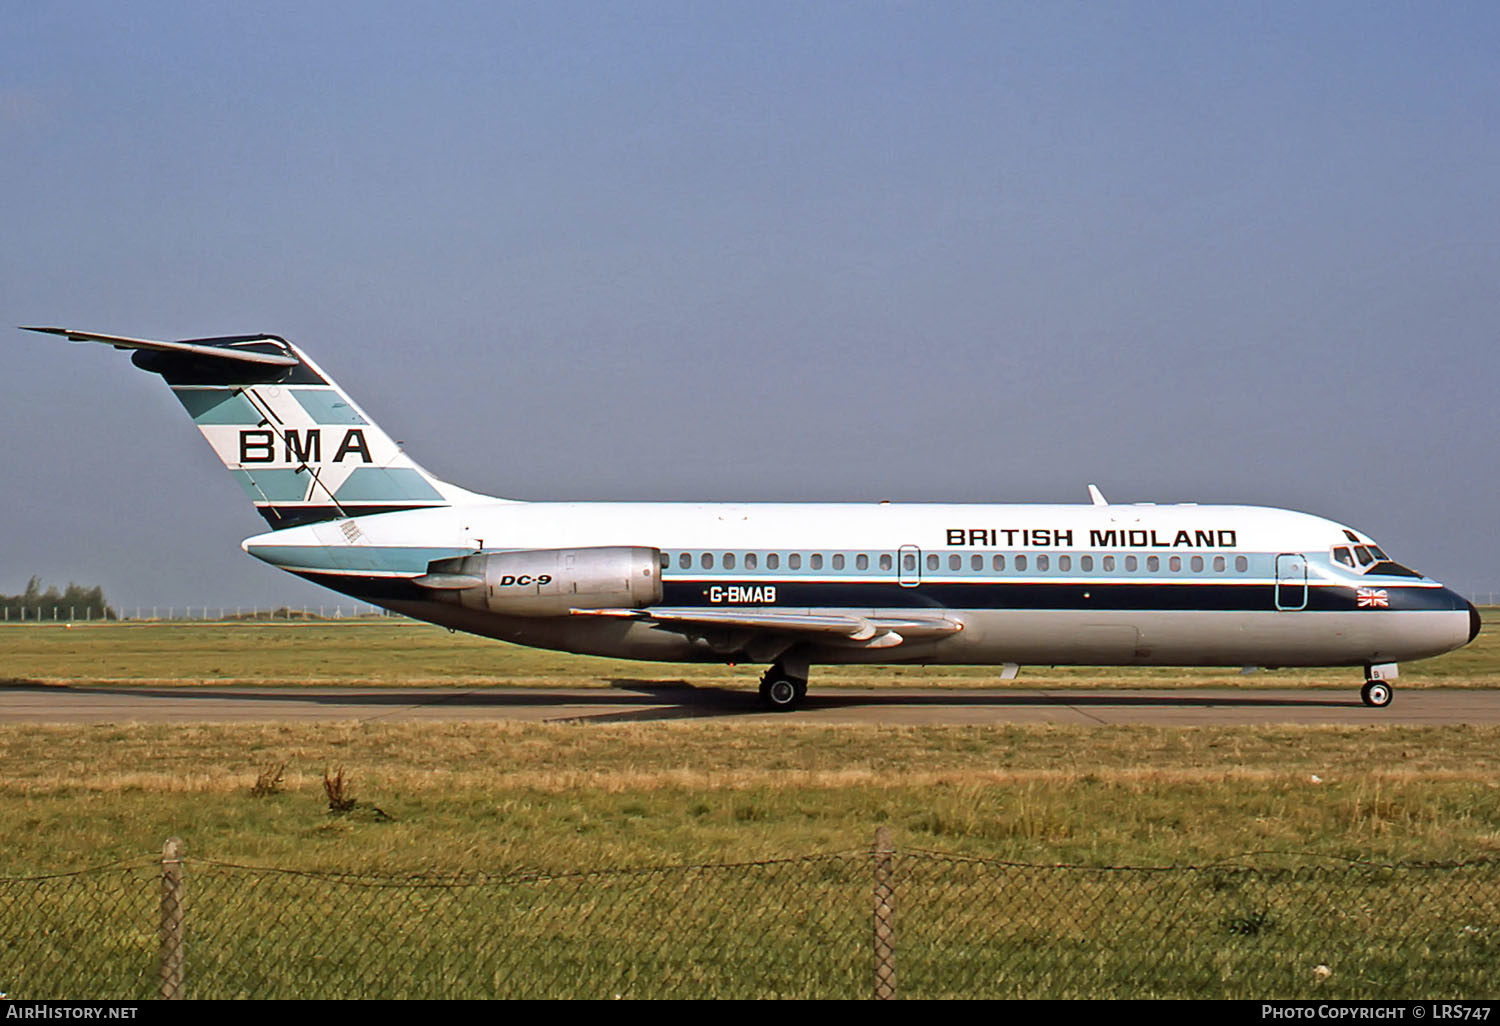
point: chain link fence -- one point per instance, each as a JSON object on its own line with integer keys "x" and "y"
{"x": 880, "y": 922}
{"x": 61, "y": 612}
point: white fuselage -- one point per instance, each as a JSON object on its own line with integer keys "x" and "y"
{"x": 1051, "y": 584}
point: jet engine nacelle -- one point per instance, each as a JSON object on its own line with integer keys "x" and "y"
{"x": 549, "y": 582}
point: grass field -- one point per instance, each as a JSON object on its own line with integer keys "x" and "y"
{"x": 504, "y": 796}
{"x": 399, "y": 652}
{"x": 508, "y": 798}
{"x": 568, "y": 795}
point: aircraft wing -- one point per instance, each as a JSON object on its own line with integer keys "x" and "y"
{"x": 836, "y": 628}
{"x": 217, "y": 348}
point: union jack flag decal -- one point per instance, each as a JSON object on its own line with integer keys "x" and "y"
{"x": 1372, "y": 598}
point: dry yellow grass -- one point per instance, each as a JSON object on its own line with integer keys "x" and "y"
{"x": 570, "y": 796}
{"x": 623, "y": 781}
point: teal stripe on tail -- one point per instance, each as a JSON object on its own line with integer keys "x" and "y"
{"x": 293, "y": 440}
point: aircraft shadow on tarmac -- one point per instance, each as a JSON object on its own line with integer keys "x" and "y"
{"x": 678, "y": 699}
{"x": 711, "y": 701}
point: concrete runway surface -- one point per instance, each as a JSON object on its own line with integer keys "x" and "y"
{"x": 638, "y": 700}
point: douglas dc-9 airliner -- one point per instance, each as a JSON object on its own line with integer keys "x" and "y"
{"x": 792, "y": 584}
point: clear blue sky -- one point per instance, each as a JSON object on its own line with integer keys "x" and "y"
{"x": 969, "y": 252}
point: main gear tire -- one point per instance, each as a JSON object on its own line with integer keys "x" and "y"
{"x": 781, "y": 692}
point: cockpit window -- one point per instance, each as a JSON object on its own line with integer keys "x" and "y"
{"x": 1372, "y": 560}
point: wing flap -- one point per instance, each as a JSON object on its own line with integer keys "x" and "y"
{"x": 870, "y": 631}
{"x": 223, "y": 350}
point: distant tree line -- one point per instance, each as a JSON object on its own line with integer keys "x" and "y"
{"x": 74, "y": 603}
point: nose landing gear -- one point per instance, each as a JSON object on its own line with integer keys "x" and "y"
{"x": 1378, "y": 690}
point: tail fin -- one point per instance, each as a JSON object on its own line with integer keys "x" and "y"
{"x": 300, "y": 448}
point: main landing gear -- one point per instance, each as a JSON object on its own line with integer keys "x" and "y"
{"x": 781, "y": 690}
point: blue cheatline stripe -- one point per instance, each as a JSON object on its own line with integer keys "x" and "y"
{"x": 1243, "y": 598}
{"x": 376, "y": 484}
{"x": 273, "y": 485}
{"x": 217, "y": 406}
{"x": 1249, "y": 598}
{"x": 326, "y": 406}
{"x": 1060, "y": 596}
{"x": 385, "y": 559}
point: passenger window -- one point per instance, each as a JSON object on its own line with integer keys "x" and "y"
{"x": 1065, "y": 562}
{"x": 1197, "y": 564}
{"x": 932, "y": 562}
{"x": 1020, "y": 562}
{"x": 1086, "y": 563}
{"x": 955, "y": 561}
{"x": 1241, "y": 564}
{"x": 1131, "y": 564}
{"x": 1219, "y": 564}
{"x": 838, "y": 561}
{"x": 1344, "y": 556}
{"x": 707, "y": 560}
{"x": 909, "y": 563}
{"x": 1108, "y": 563}
{"x": 976, "y": 562}
{"x": 998, "y": 563}
{"x": 1042, "y": 562}
{"x": 685, "y": 561}
{"x": 861, "y": 562}
{"x": 885, "y": 561}
{"x": 1175, "y": 564}
{"x": 816, "y": 561}
{"x": 1153, "y": 563}
{"x": 794, "y": 561}
{"x": 729, "y": 561}
{"x": 751, "y": 561}
{"x": 773, "y": 561}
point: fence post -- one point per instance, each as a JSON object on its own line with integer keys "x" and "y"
{"x": 172, "y": 899}
{"x": 885, "y": 916}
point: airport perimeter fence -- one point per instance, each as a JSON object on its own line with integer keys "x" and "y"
{"x": 880, "y": 922}
{"x": 25, "y": 614}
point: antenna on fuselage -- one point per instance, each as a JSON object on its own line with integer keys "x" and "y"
{"x": 1096, "y": 496}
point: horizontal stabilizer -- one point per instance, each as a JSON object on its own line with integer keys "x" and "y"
{"x": 216, "y": 348}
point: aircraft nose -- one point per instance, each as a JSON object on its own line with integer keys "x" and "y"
{"x": 1474, "y": 622}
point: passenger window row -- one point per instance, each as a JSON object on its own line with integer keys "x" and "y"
{"x": 956, "y": 562}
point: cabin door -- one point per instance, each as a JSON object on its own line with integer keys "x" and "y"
{"x": 1291, "y": 581}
